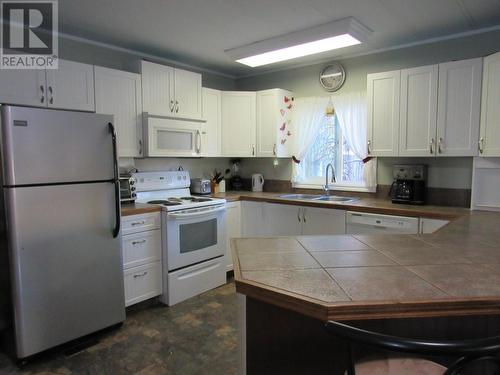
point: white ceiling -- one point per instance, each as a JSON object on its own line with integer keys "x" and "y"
{"x": 198, "y": 31}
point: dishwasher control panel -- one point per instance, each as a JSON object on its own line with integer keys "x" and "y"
{"x": 366, "y": 223}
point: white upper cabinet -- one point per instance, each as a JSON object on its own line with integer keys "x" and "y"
{"x": 211, "y": 129}
{"x": 274, "y": 132}
{"x": 171, "y": 92}
{"x": 383, "y": 113}
{"x": 418, "y": 111}
{"x": 187, "y": 93}
{"x": 238, "y": 123}
{"x": 157, "y": 89}
{"x": 71, "y": 86}
{"x": 23, "y": 87}
{"x": 489, "y": 143}
{"x": 118, "y": 93}
{"x": 459, "y": 107}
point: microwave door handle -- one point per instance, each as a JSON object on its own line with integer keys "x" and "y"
{"x": 116, "y": 181}
{"x": 178, "y": 215}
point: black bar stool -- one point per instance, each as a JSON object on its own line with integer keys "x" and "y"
{"x": 467, "y": 352}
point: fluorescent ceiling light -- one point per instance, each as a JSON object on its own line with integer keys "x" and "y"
{"x": 326, "y": 37}
{"x": 305, "y": 49}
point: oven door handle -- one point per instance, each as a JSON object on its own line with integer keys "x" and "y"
{"x": 197, "y": 213}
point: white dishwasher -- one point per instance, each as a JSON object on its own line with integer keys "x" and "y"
{"x": 365, "y": 223}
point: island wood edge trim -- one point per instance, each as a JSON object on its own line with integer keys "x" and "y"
{"x": 350, "y": 311}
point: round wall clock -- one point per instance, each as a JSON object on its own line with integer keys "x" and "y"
{"x": 332, "y": 77}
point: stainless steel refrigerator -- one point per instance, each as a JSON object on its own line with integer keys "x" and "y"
{"x": 62, "y": 211}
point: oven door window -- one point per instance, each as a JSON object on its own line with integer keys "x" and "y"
{"x": 197, "y": 236}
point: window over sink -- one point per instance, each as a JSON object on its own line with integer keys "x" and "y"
{"x": 333, "y": 130}
{"x": 330, "y": 146}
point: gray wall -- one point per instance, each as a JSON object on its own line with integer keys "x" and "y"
{"x": 94, "y": 54}
{"x": 449, "y": 172}
{"x": 303, "y": 81}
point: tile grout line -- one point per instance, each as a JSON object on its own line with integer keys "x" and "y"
{"x": 328, "y": 274}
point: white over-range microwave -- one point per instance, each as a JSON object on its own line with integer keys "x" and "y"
{"x": 165, "y": 136}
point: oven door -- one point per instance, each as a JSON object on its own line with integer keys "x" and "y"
{"x": 194, "y": 235}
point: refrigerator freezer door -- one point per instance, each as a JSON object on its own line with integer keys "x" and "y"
{"x": 43, "y": 146}
{"x": 66, "y": 266}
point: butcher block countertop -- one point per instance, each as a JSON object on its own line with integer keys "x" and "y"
{"x": 138, "y": 208}
{"x": 453, "y": 272}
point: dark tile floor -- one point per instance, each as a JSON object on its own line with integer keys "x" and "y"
{"x": 197, "y": 336}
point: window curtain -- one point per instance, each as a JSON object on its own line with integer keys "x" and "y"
{"x": 307, "y": 115}
{"x": 351, "y": 112}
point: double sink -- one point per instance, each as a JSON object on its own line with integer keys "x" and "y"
{"x": 324, "y": 198}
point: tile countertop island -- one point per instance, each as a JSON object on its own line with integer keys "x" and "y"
{"x": 426, "y": 286}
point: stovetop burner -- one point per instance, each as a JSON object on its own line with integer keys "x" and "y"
{"x": 196, "y": 199}
{"x": 164, "y": 202}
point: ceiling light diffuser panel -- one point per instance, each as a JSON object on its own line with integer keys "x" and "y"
{"x": 330, "y": 36}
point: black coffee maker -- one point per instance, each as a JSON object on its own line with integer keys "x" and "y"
{"x": 409, "y": 184}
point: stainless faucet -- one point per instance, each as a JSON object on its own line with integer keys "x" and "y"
{"x": 327, "y": 185}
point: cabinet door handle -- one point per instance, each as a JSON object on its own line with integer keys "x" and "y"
{"x": 304, "y": 215}
{"x": 138, "y": 242}
{"x": 176, "y": 106}
{"x": 138, "y": 223}
{"x": 440, "y": 142}
{"x": 431, "y": 146}
{"x": 481, "y": 145}
{"x": 140, "y": 274}
{"x": 368, "y": 144}
{"x": 198, "y": 142}
{"x": 298, "y": 214}
{"x": 140, "y": 147}
{"x": 171, "y": 105}
{"x": 274, "y": 149}
{"x": 253, "y": 150}
{"x": 51, "y": 101}
{"x": 42, "y": 89}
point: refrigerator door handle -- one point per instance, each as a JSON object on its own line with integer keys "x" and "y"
{"x": 116, "y": 181}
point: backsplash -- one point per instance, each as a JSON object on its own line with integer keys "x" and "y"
{"x": 449, "y": 180}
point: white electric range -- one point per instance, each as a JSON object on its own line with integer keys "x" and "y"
{"x": 193, "y": 234}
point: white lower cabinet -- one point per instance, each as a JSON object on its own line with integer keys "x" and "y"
{"x": 431, "y": 225}
{"x": 252, "y": 219}
{"x": 142, "y": 259}
{"x": 282, "y": 219}
{"x": 317, "y": 221}
{"x": 140, "y": 223}
{"x": 142, "y": 283}
{"x": 291, "y": 220}
{"x": 233, "y": 229}
{"x": 141, "y": 248}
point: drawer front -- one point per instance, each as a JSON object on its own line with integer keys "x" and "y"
{"x": 140, "y": 223}
{"x": 193, "y": 280}
{"x": 142, "y": 283}
{"x": 141, "y": 248}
